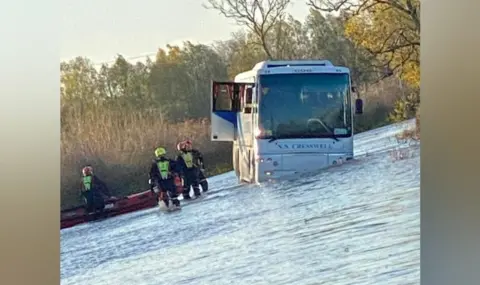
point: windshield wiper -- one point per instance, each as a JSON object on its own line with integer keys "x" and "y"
{"x": 327, "y": 128}
{"x": 334, "y": 136}
{"x": 273, "y": 138}
{"x": 331, "y": 132}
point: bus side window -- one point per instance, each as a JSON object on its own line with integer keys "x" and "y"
{"x": 247, "y": 99}
{"x": 223, "y": 99}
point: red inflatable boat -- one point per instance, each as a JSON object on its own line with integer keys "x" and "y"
{"x": 113, "y": 207}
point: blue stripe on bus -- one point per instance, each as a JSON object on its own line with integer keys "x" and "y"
{"x": 228, "y": 116}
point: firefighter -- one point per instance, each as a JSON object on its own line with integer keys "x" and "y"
{"x": 199, "y": 164}
{"x": 163, "y": 173}
{"x": 190, "y": 170}
{"x": 93, "y": 190}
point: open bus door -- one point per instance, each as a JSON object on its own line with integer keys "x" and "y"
{"x": 226, "y": 103}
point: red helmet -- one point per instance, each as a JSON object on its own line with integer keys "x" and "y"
{"x": 87, "y": 170}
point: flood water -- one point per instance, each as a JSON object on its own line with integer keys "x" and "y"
{"x": 357, "y": 223}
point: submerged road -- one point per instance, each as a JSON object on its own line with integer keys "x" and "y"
{"x": 357, "y": 223}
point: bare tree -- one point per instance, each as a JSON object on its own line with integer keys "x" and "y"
{"x": 410, "y": 8}
{"x": 259, "y": 16}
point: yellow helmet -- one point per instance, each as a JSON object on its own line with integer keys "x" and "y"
{"x": 160, "y": 152}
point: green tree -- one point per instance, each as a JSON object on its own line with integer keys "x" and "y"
{"x": 202, "y": 65}
{"x": 170, "y": 84}
{"x": 289, "y": 39}
{"x": 240, "y": 53}
{"x": 78, "y": 80}
{"x": 328, "y": 41}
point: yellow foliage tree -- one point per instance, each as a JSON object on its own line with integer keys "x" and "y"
{"x": 171, "y": 55}
{"x": 389, "y": 30}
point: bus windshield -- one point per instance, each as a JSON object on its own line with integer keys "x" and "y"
{"x": 305, "y": 106}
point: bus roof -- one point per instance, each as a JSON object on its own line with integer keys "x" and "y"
{"x": 270, "y": 64}
{"x": 286, "y": 63}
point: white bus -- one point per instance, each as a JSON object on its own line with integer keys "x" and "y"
{"x": 285, "y": 118}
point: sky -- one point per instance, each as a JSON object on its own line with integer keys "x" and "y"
{"x": 101, "y": 29}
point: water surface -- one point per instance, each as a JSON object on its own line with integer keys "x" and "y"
{"x": 356, "y": 223}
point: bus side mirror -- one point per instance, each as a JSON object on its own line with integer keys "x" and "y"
{"x": 354, "y": 89}
{"x": 358, "y": 106}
